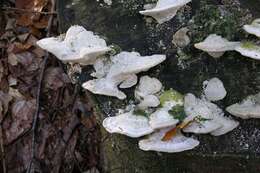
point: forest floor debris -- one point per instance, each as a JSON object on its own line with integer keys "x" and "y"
{"x": 63, "y": 136}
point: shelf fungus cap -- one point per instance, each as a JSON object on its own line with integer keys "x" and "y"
{"x": 161, "y": 119}
{"x": 126, "y": 63}
{"x": 104, "y": 86}
{"x": 248, "y": 108}
{"x": 146, "y": 90}
{"x": 216, "y": 45}
{"x": 128, "y": 124}
{"x": 165, "y": 10}
{"x": 78, "y": 46}
{"x": 214, "y": 89}
{"x": 149, "y": 101}
{"x": 130, "y": 81}
{"x": 122, "y": 71}
{"x": 147, "y": 86}
{"x": 228, "y": 124}
{"x": 178, "y": 143}
{"x": 249, "y": 50}
{"x": 202, "y": 115}
{"x": 253, "y": 28}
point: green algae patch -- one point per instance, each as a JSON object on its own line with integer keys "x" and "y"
{"x": 250, "y": 46}
{"x": 171, "y": 96}
{"x": 140, "y": 112}
{"x": 178, "y": 112}
{"x": 225, "y": 20}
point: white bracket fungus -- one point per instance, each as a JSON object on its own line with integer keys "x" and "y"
{"x": 147, "y": 86}
{"x": 249, "y": 50}
{"x": 253, "y": 28}
{"x": 78, "y": 46}
{"x": 206, "y": 117}
{"x": 124, "y": 66}
{"x": 178, "y": 143}
{"x": 108, "y": 2}
{"x": 248, "y": 108}
{"x": 148, "y": 101}
{"x": 161, "y": 117}
{"x": 165, "y": 10}
{"x": 214, "y": 89}
{"x": 146, "y": 90}
{"x": 128, "y": 124}
{"x": 216, "y": 46}
{"x": 227, "y": 123}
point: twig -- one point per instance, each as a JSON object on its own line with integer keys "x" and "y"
{"x": 2, "y": 149}
{"x": 36, "y": 115}
{"x": 20, "y": 10}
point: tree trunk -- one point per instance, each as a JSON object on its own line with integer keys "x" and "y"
{"x": 184, "y": 70}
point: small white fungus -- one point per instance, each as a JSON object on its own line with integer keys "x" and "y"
{"x": 253, "y": 28}
{"x": 248, "y": 108}
{"x": 128, "y": 124}
{"x": 249, "y": 50}
{"x": 78, "y": 46}
{"x": 178, "y": 143}
{"x": 124, "y": 66}
{"x": 216, "y": 46}
{"x": 214, "y": 89}
{"x": 165, "y": 10}
{"x": 206, "y": 117}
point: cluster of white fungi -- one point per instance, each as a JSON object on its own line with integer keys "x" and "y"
{"x": 164, "y": 115}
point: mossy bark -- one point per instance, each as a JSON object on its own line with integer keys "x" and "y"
{"x": 184, "y": 70}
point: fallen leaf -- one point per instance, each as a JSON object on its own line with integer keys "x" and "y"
{"x": 5, "y": 99}
{"x": 41, "y": 23}
{"x": 12, "y": 81}
{"x": 10, "y": 25}
{"x": 15, "y": 94}
{"x": 171, "y": 133}
{"x": 12, "y": 59}
{"x": 18, "y": 156}
{"x": 22, "y": 116}
{"x": 25, "y": 58}
{"x": 1, "y": 70}
{"x": 36, "y": 32}
{"x": 55, "y": 78}
{"x": 85, "y": 114}
{"x": 26, "y": 19}
{"x": 18, "y": 47}
{"x": 23, "y": 37}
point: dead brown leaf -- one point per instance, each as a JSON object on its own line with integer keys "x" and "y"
{"x": 55, "y": 78}
{"x": 18, "y": 156}
{"x": 23, "y": 37}
{"x": 28, "y": 18}
{"x": 5, "y": 99}
{"x": 17, "y": 47}
{"x": 21, "y": 119}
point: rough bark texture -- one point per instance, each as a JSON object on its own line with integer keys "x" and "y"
{"x": 184, "y": 70}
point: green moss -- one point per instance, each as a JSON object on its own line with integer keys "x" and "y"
{"x": 140, "y": 112}
{"x": 115, "y": 49}
{"x": 178, "y": 112}
{"x": 250, "y": 46}
{"x": 200, "y": 119}
{"x": 209, "y": 19}
{"x": 170, "y": 95}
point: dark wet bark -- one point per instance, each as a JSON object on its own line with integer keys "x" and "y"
{"x": 121, "y": 24}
